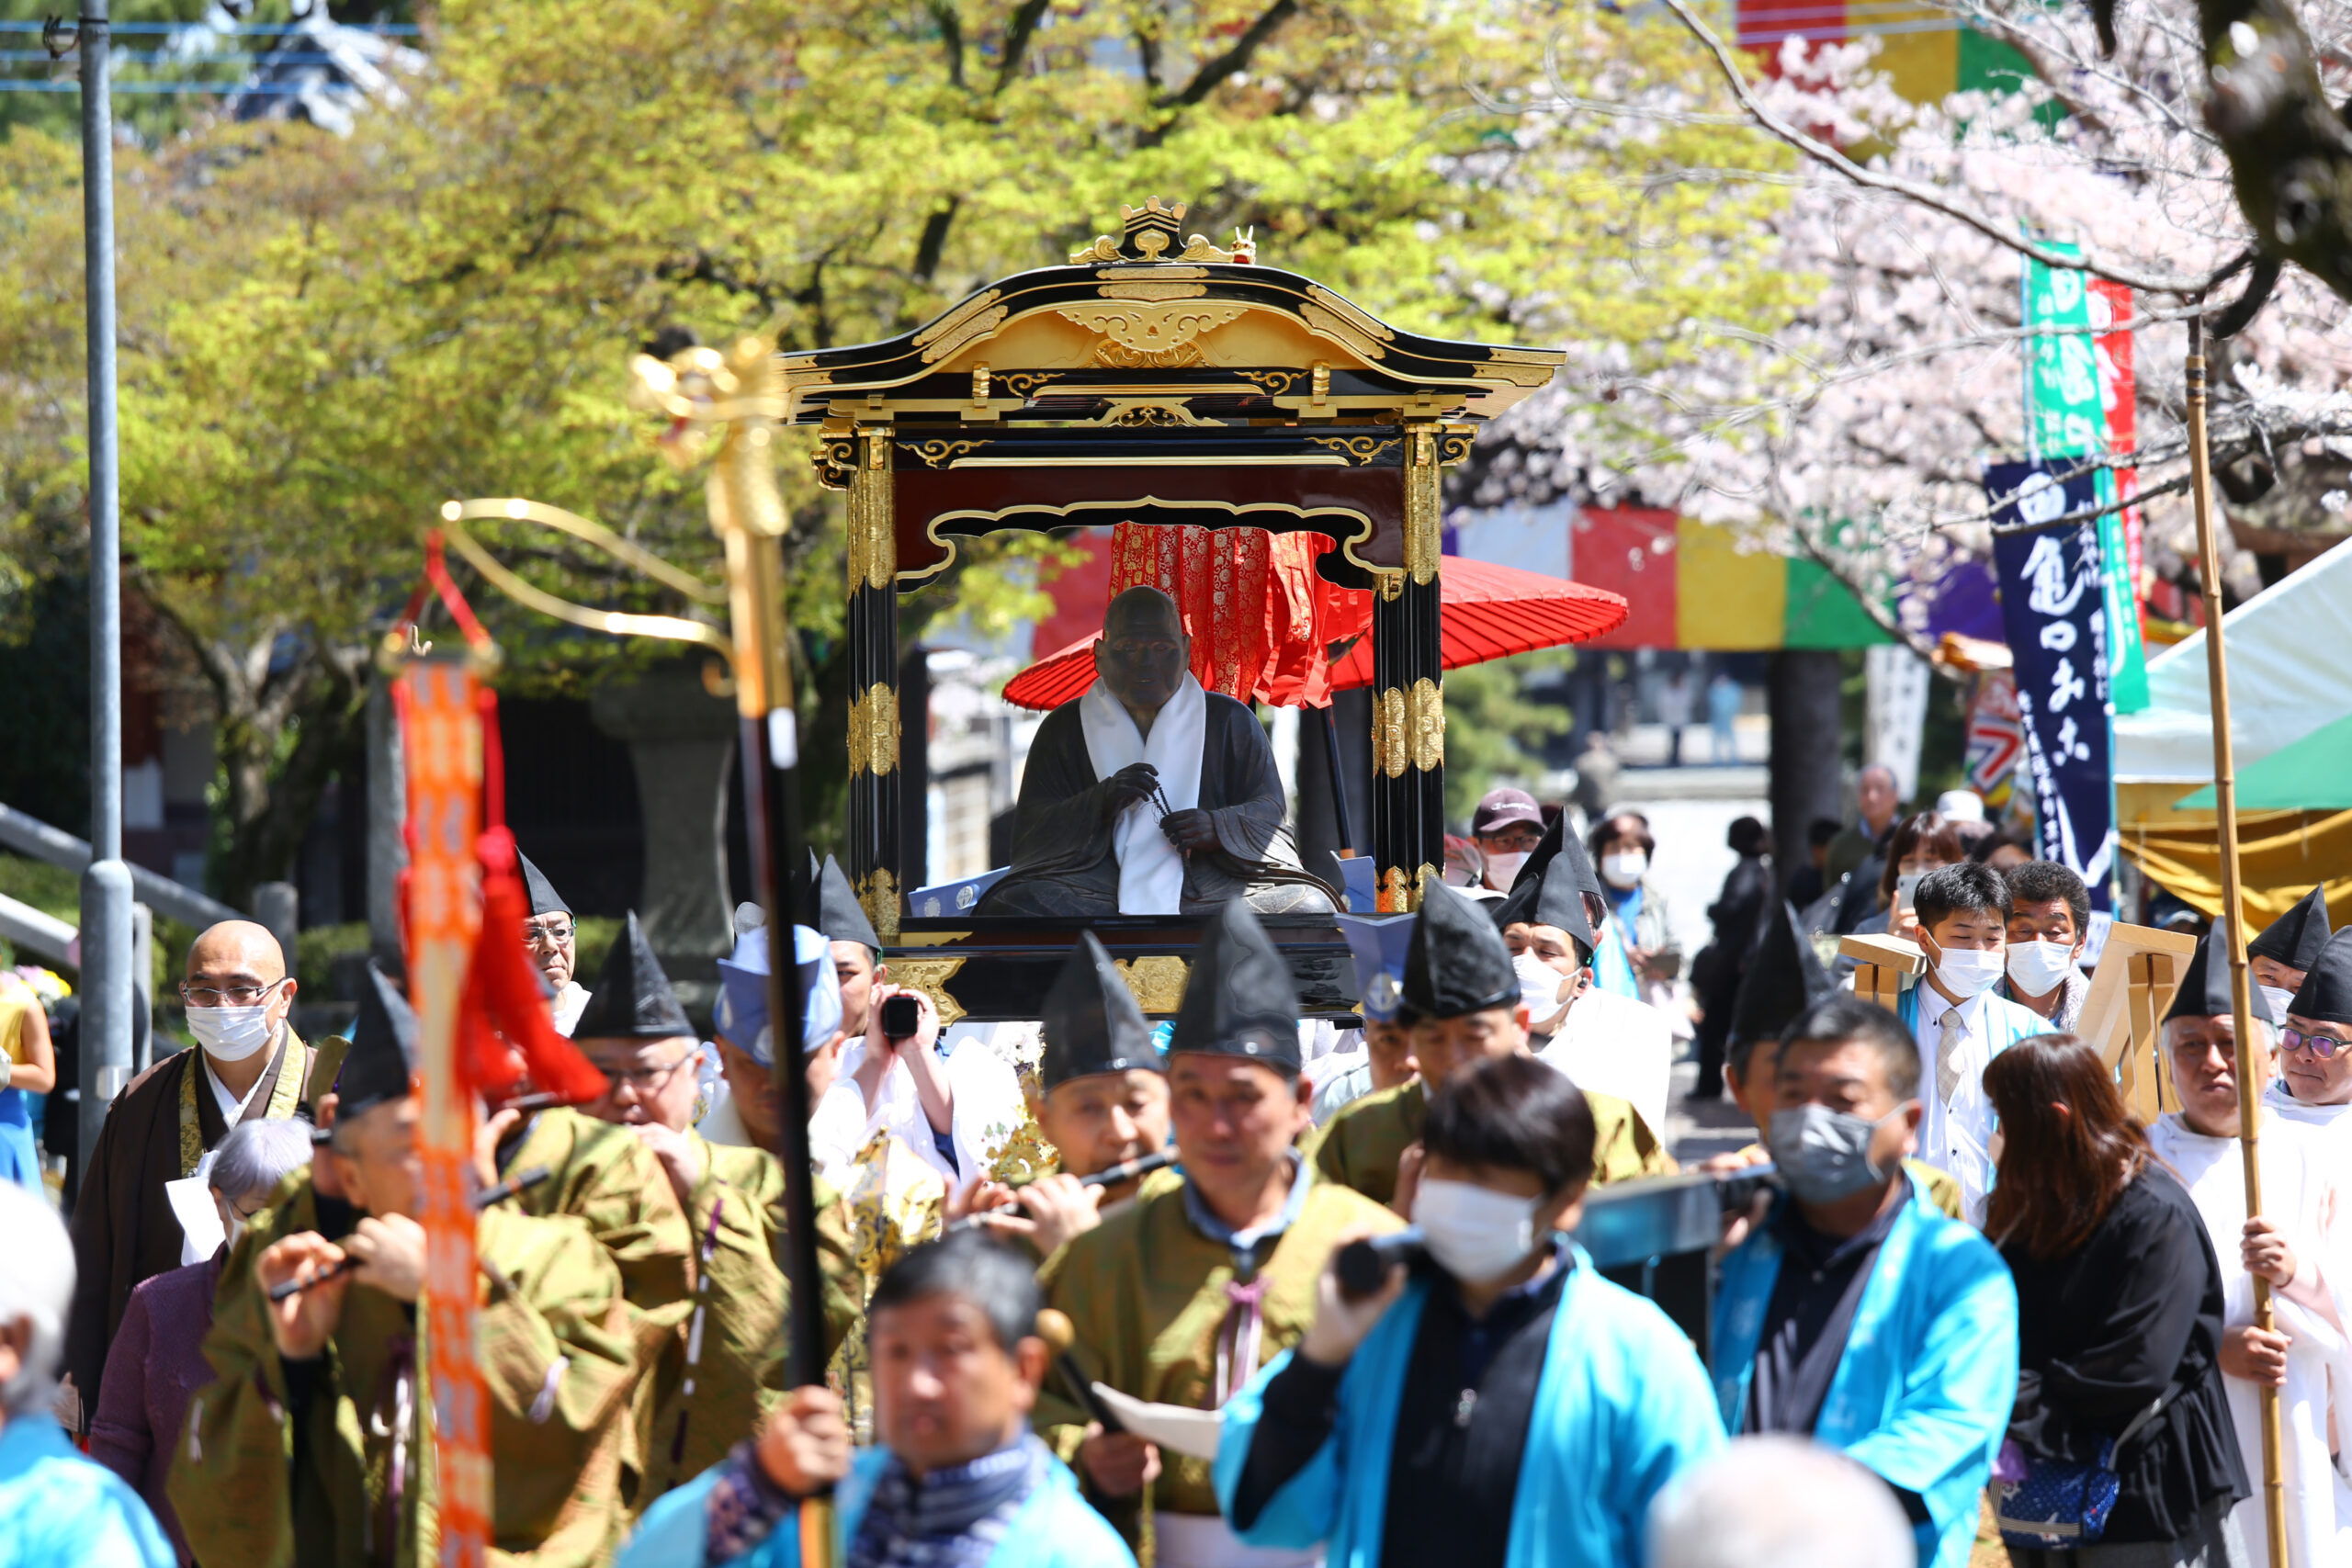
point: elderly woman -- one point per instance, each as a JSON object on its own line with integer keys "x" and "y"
{"x": 56, "y": 1508}
{"x": 156, "y": 1362}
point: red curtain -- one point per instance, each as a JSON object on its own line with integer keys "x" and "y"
{"x": 1260, "y": 619}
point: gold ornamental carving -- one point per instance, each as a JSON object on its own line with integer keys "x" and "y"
{"x": 1359, "y": 450}
{"x": 1409, "y": 729}
{"x": 1390, "y": 749}
{"x": 1275, "y": 382}
{"x": 873, "y": 527}
{"x": 1393, "y": 898}
{"x": 1423, "y": 537}
{"x": 973, "y": 320}
{"x": 1157, "y": 981}
{"x": 1153, "y": 290}
{"x": 1169, "y": 412}
{"x": 1425, "y": 724}
{"x": 873, "y": 731}
{"x": 1148, "y": 232}
{"x": 1143, "y": 336}
{"x": 929, "y": 976}
{"x": 1024, "y": 1155}
{"x": 836, "y": 461}
{"x": 934, "y": 453}
{"x": 878, "y": 897}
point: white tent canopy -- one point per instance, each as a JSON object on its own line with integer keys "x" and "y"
{"x": 2287, "y": 648}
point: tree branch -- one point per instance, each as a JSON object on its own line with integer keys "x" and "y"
{"x": 1232, "y": 62}
{"x": 1018, "y": 32}
{"x": 2000, "y": 231}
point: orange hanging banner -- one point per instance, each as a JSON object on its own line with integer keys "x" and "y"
{"x": 443, "y": 742}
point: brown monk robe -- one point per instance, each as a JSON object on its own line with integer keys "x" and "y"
{"x": 315, "y": 1444}
{"x": 165, "y": 1120}
{"x": 1175, "y": 826}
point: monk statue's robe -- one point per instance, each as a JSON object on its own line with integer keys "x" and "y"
{"x": 737, "y": 1212}
{"x": 295, "y": 1463}
{"x": 1068, "y": 855}
{"x": 1359, "y": 1149}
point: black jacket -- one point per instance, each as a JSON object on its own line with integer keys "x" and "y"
{"x": 2107, "y": 1328}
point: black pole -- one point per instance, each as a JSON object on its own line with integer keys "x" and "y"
{"x": 1338, "y": 778}
{"x": 771, "y": 816}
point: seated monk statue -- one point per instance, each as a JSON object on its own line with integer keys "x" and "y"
{"x": 1148, "y": 796}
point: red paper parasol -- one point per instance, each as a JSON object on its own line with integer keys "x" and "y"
{"x": 1490, "y": 611}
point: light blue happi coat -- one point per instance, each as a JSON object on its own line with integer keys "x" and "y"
{"x": 1622, "y": 1407}
{"x": 61, "y": 1510}
{"x": 1922, "y": 1394}
{"x": 1055, "y": 1528}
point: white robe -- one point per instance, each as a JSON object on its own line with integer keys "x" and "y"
{"x": 986, "y": 1105}
{"x": 2296, "y": 1192}
{"x": 1614, "y": 1044}
{"x": 1151, "y": 870}
{"x": 569, "y": 1004}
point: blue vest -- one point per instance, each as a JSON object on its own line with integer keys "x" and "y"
{"x": 1923, "y": 1393}
{"x": 1623, "y": 1406}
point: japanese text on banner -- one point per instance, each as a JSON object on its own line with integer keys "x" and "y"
{"x": 2053, "y": 609}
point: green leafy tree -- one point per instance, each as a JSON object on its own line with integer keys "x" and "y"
{"x": 324, "y": 339}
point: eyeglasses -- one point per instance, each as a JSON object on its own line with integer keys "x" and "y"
{"x": 644, "y": 1082}
{"x": 2324, "y": 1046}
{"x": 551, "y": 935}
{"x": 234, "y": 996}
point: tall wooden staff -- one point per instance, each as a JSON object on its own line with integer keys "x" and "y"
{"x": 2208, "y": 566}
{"x": 739, "y": 396}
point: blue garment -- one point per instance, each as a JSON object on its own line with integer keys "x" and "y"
{"x": 1611, "y": 970}
{"x": 1622, "y": 1407}
{"x": 1055, "y": 1528}
{"x": 60, "y": 1510}
{"x": 19, "y": 1151}
{"x": 1923, "y": 1393}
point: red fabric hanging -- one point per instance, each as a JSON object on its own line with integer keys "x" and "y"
{"x": 1260, "y": 619}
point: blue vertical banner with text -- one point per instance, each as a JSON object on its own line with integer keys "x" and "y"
{"x": 2053, "y": 607}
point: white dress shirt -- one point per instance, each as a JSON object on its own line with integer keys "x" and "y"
{"x": 1956, "y": 1137}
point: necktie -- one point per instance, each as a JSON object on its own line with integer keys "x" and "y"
{"x": 1946, "y": 1050}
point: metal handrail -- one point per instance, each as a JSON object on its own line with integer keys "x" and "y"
{"x": 31, "y": 836}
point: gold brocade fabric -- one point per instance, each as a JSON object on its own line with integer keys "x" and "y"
{"x": 293, "y": 1074}
{"x": 896, "y": 1203}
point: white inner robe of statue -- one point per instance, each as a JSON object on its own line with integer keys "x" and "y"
{"x": 2319, "y": 1503}
{"x": 1151, "y": 870}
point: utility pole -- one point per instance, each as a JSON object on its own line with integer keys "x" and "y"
{"x": 108, "y": 995}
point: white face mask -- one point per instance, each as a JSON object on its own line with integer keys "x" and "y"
{"x": 1501, "y": 869}
{"x": 2278, "y": 996}
{"x": 2039, "y": 967}
{"x": 231, "y": 1034}
{"x": 1476, "y": 1233}
{"x": 1965, "y": 972}
{"x": 1539, "y": 984}
{"x": 1624, "y": 868}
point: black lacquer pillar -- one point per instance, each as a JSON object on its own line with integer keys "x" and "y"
{"x": 1407, "y": 699}
{"x": 872, "y": 629}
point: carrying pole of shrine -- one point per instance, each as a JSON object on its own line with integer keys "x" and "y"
{"x": 2233, "y": 927}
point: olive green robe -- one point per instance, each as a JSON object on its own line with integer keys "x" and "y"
{"x": 1145, "y": 1292}
{"x": 1361, "y": 1145}
{"x": 261, "y": 1480}
{"x": 738, "y": 1214}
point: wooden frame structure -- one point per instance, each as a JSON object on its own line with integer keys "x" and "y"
{"x": 1157, "y": 378}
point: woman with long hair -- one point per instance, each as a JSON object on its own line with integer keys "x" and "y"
{"x": 2119, "y": 1312}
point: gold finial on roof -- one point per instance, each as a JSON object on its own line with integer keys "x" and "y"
{"x": 1148, "y": 233}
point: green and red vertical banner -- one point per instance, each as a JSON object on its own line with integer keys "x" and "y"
{"x": 2078, "y": 403}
